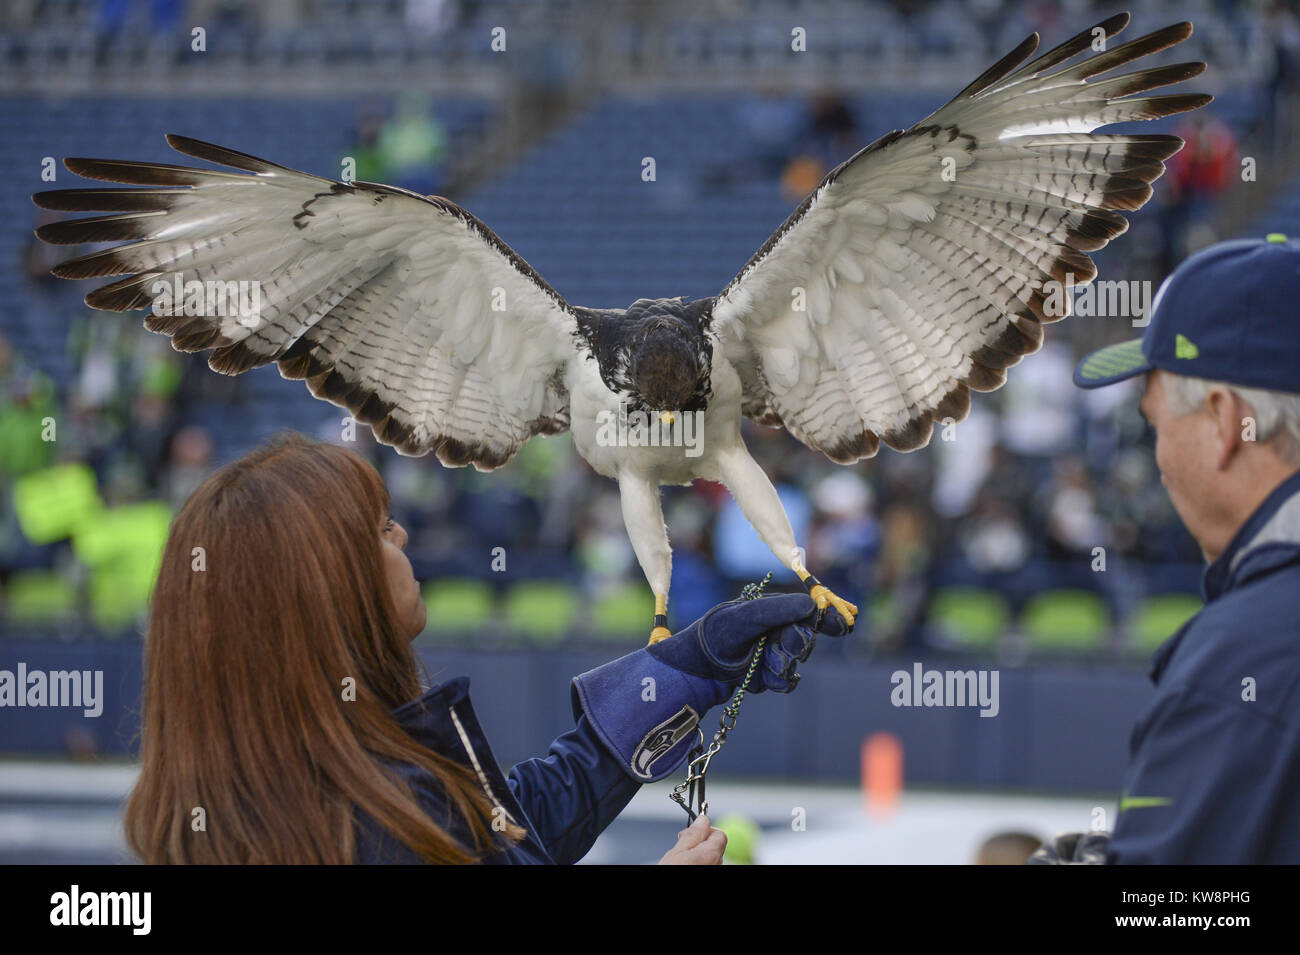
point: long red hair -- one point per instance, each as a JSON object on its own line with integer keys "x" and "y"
{"x": 271, "y": 596}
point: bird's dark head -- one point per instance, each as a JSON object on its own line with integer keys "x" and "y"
{"x": 670, "y": 358}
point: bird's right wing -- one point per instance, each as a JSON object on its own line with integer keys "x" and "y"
{"x": 405, "y": 309}
{"x": 924, "y": 266}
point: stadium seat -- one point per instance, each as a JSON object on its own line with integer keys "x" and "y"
{"x": 544, "y": 611}
{"x": 883, "y": 612}
{"x": 969, "y": 617}
{"x": 119, "y": 593}
{"x": 456, "y": 605}
{"x": 1157, "y": 618}
{"x": 622, "y": 614}
{"x": 39, "y": 597}
{"x": 1065, "y": 620}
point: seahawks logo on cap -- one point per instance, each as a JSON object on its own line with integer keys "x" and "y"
{"x": 1184, "y": 348}
{"x": 660, "y": 740}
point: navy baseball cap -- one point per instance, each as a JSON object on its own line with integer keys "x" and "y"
{"x": 1229, "y": 313}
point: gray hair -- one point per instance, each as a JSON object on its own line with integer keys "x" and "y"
{"x": 1277, "y": 413}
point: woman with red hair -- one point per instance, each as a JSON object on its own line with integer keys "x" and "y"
{"x": 285, "y": 720}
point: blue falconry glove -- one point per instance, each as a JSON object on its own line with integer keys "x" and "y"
{"x": 646, "y": 705}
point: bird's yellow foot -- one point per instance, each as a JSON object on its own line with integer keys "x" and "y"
{"x": 824, "y": 597}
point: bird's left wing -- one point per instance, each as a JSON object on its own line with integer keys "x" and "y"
{"x": 405, "y": 309}
{"x": 921, "y": 268}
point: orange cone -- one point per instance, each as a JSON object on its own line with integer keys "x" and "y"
{"x": 882, "y": 773}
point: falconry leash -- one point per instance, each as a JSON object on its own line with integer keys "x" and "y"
{"x": 689, "y": 793}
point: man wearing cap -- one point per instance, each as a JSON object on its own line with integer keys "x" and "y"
{"x": 1214, "y": 769}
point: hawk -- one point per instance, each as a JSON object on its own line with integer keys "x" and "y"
{"x": 916, "y": 272}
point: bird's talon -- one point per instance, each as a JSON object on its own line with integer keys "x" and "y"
{"x": 659, "y": 633}
{"x": 824, "y": 597}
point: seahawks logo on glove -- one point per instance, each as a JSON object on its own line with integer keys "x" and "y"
{"x": 660, "y": 740}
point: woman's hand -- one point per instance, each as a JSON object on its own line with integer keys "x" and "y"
{"x": 698, "y": 844}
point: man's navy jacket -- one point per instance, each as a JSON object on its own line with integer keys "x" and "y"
{"x": 1214, "y": 772}
{"x": 565, "y": 799}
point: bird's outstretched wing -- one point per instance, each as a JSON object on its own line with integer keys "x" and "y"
{"x": 920, "y": 269}
{"x": 405, "y": 309}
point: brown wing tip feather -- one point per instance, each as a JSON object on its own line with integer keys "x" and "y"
{"x": 1002, "y": 67}
{"x": 913, "y": 435}
{"x": 222, "y": 155}
{"x": 854, "y": 448}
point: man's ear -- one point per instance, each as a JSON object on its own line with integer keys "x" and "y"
{"x": 1228, "y": 412}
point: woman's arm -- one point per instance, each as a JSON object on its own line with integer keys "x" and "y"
{"x": 637, "y": 716}
{"x": 573, "y": 793}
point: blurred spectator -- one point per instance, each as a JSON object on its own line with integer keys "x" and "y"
{"x": 26, "y": 402}
{"x": 1197, "y": 176}
{"x": 963, "y": 463}
{"x": 833, "y": 133}
{"x": 831, "y": 137}
{"x": 994, "y": 541}
{"x": 188, "y": 464}
{"x": 1040, "y": 416}
{"x": 844, "y": 538}
{"x": 411, "y": 146}
{"x": 603, "y": 547}
{"x": 370, "y": 164}
{"x": 696, "y": 585}
{"x": 1074, "y": 527}
{"x": 905, "y": 558}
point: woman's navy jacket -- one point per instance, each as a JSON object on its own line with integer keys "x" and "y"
{"x": 564, "y": 799}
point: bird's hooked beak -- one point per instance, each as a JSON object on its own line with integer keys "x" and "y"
{"x": 668, "y": 418}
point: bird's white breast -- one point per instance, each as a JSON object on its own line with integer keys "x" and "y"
{"x": 594, "y": 416}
